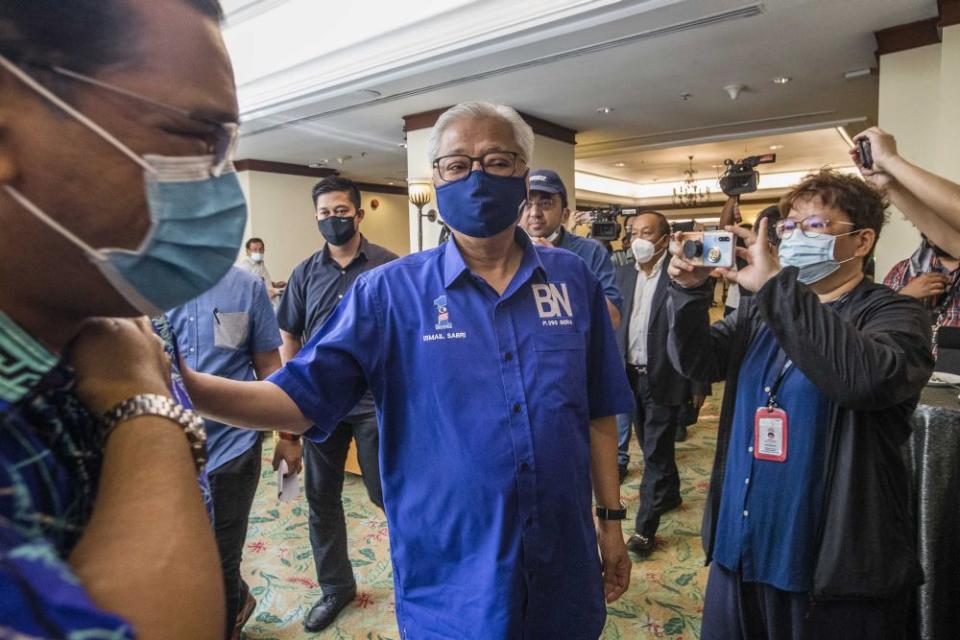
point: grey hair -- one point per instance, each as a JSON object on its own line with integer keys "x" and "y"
{"x": 522, "y": 132}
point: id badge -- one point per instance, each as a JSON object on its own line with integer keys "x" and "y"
{"x": 770, "y": 434}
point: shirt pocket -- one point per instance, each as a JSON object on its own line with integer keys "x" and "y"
{"x": 231, "y": 330}
{"x": 562, "y": 368}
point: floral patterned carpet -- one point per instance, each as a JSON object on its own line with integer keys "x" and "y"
{"x": 665, "y": 599}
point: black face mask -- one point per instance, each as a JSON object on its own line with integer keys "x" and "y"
{"x": 336, "y": 230}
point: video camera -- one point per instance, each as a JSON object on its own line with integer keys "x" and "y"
{"x": 604, "y": 225}
{"x": 742, "y": 177}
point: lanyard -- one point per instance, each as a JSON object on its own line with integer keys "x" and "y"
{"x": 772, "y": 389}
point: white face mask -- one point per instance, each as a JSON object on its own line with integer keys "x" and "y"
{"x": 556, "y": 234}
{"x": 644, "y": 250}
{"x": 256, "y": 257}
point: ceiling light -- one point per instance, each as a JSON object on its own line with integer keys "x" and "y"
{"x": 853, "y": 74}
{"x": 318, "y": 165}
{"x": 774, "y": 147}
{"x": 619, "y": 165}
{"x": 402, "y": 145}
{"x": 781, "y": 80}
{"x": 604, "y": 110}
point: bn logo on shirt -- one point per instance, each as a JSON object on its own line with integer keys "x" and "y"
{"x": 553, "y": 301}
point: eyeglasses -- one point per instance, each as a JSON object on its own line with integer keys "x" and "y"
{"x": 222, "y": 136}
{"x": 496, "y": 163}
{"x": 811, "y": 226}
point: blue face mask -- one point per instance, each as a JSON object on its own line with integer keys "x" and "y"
{"x": 197, "y": 218}
{"x": 480, "y": 205}
{"x": 812, "y": 256}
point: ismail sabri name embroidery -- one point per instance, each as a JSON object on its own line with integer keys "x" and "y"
{"x": 450, "y": 335}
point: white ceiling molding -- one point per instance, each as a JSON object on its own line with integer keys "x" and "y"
{"x": 456, "y": 31}
{"x": 238, "y": 11}
{"x": 755, "y": 128}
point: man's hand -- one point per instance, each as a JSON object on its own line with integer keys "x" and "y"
{"x": 762, "y": 262}
{"x": 698, "y": 402}
{"x": 116, "y": 359}
{"x": 615, "y": 560}
{"x": 576, "y": 219}
{"x": 682, "y": 272}
{"x": 291, "y": 452}
{"x": 279, "y": 285}
{"x": 926, "y": 285}
{"x": 883, "y": 148}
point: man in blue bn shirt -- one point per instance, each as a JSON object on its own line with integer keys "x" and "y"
{"x": 231, "y": 331}
{"x": 496, "y": 377}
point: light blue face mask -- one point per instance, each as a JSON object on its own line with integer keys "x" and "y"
{"x": 812, "y": 256}
{"x": 197, "y": 218}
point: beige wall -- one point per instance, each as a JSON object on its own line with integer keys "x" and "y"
{"x": 920, "y": 105}
{"x": 281, "y": 212}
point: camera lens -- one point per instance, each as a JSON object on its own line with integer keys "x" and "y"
{"x": 714, "y": 255}
{"x": 692, "y": 249}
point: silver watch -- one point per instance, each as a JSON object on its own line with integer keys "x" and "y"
{"x": 151, "y": 404}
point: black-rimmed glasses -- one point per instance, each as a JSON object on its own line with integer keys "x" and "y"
{"x": 495, "y": 163}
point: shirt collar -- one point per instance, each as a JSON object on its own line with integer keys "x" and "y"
{"x": 454, "y": 265}
{"x": 25, "y": 361}
{"x": 361, "y": 251}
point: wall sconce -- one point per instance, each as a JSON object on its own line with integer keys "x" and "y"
{"x": 421, "y": 193}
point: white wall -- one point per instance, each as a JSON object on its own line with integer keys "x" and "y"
{"x": 281, "y": 212}
{"x": 920, "y": 105}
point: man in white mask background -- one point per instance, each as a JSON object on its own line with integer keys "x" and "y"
{"x": 659, "y": 390}
{"x": 254, "y": 261}
{"x": 110, "y": 129}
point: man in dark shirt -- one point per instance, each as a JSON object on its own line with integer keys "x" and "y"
{"x": 315, "y": 288}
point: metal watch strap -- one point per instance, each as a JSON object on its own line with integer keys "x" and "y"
{"x": 612, "y": 514}
{"x": 150, "y": 404}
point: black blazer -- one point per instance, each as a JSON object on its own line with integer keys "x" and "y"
{"x": 668, "y": 386}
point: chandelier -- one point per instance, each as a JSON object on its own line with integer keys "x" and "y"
{"x": 689, "y": 194}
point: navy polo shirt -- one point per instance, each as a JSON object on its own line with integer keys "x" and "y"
{"x": 598, "y": 259}
{"x": 770, "y": 511}
{"x": 484, "y": 403}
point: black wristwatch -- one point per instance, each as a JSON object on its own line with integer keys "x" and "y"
{"x": 612, "y": 514}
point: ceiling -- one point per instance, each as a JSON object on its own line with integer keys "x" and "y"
{"x": 638, "y": 57}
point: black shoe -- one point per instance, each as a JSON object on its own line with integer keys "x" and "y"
{"x": 680, "y": 435}
{"x": 640, "y": 545}
{"x": 325, "y": 611}
{"x": 623, "y": 472}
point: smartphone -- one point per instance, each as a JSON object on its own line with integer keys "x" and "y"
{"x": 865, "y": 153}
{"x": 708, "y": 248}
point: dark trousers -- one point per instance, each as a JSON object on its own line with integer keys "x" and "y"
{"x": 660, "y": 484}
{"x": 324, "y": 462}
{"x": 735, "y": 610}
{"x": 233, "y": 486}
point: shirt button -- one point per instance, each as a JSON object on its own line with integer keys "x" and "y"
{"x": 516, "y": 408}
{"x": 343, "y": 273}
{"x": 340, "y": 297}
{"x": 191, "y": 318}
{"x": 508, "y": 357}
{"x": 747, "y": 481}
{"x": 192, "y": 349}
{"x": 745, "y": 513}
{"x": 524, "y": 467}
{"x": 749, "y": 449}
